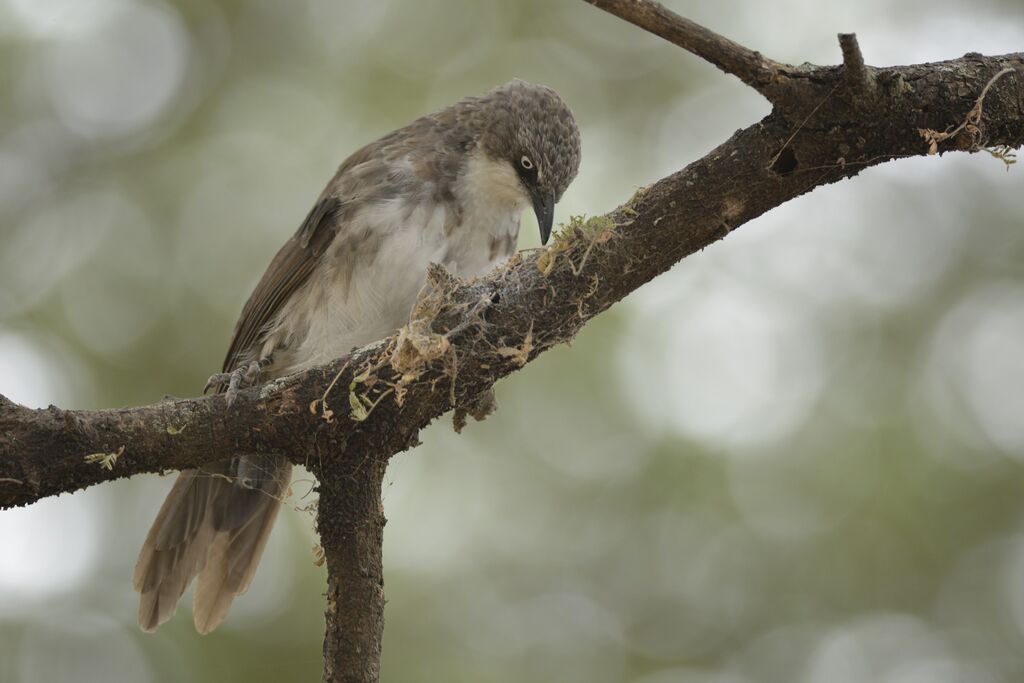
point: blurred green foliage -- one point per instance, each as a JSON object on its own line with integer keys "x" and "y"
{"x": 796, "y": 457}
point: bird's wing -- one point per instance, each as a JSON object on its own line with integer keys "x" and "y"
{"x": 296, "y": 260}
{"x": 289, "y": 270}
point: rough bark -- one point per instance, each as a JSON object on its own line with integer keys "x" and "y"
{"x": 350, "y": 520}
{"x": 346, "y": 419}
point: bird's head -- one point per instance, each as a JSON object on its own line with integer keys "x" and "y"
{"x": 529, "y": 128}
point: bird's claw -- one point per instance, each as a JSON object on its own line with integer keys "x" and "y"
{"x": 237, "y": 379}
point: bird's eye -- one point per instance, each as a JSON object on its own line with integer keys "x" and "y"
{"x": 526, "y": 163}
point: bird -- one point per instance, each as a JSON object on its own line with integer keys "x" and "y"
{"x": 448, "y": 188}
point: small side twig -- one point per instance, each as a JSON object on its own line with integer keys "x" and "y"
{"x": 857, "y": 77}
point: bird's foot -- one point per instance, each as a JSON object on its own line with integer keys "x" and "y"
{"x": 239, "y": 378}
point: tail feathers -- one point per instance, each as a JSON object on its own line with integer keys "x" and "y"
{"x": 174, "y": 550}
{"x": 190, "y": 537}
{"x": 233, "y": 558}
{"x": 167, "y": 575}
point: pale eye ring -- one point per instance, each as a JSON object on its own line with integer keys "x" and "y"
{"x": 526, "y": 163}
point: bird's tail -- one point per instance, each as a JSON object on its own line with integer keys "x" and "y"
{"x": 214, "y": 523}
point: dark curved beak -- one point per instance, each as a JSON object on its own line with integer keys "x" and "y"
{"x": 544, "y": 208}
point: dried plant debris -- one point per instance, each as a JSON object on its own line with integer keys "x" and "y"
{"x": 971, "y": 124}
{"x": 1004, "y": 153}
{"x": 580, "y": 230}
{"x": 519, "y": 355}
{"x": 418, "y": 345}
{"x": 105, "y": 460}
{"x": 326, "y": 414}
{"x": 479, "y": 407}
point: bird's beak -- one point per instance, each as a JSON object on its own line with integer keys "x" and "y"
{"x": 544, "y": 207}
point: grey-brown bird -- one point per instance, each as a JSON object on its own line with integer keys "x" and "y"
{"x": 448, "y": 188}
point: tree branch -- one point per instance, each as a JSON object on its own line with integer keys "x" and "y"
{"x": 856, "y": 73}
{"x": 764, "y": 75}
{"x": 466, "y": 336}
{"x": 344, "y": 420}
{"x": 350, "y": 520}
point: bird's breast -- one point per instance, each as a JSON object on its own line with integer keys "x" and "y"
{"x": 369, "y": 278}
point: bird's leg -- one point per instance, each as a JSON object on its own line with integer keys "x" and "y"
{"x": 239, "y": 378}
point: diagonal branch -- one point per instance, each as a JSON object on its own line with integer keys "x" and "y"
{"x": 764, "y": 75}
{"x": 470, "y": 334}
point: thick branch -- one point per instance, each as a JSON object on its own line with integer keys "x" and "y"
{"x": 471, "y": 334}
{"x": 760, "y": 73}
{"x": 350, "y": 521}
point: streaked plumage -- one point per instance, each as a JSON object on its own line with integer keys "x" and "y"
{"x": 448, "y": 188}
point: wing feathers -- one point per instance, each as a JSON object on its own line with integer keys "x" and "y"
{"x": 289, "y": 270}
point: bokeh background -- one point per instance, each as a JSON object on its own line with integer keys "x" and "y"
{"x": 796, "y": 457}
